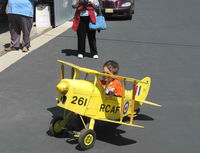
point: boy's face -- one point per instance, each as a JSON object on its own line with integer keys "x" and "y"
{"x": 107, "y": 71}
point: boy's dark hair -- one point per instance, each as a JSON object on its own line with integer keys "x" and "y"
{"x": 113, "y": 66}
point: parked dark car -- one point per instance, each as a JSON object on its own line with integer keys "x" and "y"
{"x": 118, "y": 8}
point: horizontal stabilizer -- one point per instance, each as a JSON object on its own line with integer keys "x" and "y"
{"x": 148, "y": 102}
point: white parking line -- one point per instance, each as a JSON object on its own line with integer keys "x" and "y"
{"x": 13, "y": 56}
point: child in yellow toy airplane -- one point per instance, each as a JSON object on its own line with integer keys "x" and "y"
{"x": 113, "y": 86}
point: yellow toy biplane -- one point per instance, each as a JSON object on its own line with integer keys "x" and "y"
{"x": 84, "y": 96}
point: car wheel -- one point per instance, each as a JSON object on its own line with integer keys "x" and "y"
{"x": 87, "y": 139}
{"x": 56, "y": 127}
{"x": 129, "y": 16}
{"x": 132, "y": 12}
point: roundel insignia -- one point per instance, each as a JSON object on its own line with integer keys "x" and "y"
{"x": 126, "y": 106}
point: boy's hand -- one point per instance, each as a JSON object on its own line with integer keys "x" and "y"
{"x": 110, "y": 91}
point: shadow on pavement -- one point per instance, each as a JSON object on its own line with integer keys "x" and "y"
{"x": 7, "y": 45}
{"x": 113, "y": 136}
{"x": 71, "y": 52}
{"x": 56, "y": 111}
{"x": 143, "y": 117}
{"x": 105, "y": 131}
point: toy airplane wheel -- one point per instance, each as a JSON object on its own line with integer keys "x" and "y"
{"x": 55, "y": 127}
{"x": 87, "y": 139}
{"x": 137, "y": 111}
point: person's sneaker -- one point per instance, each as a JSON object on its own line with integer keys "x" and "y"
{"x": 95, "y": 56}
{"x": 80, "y": 56}
{"x": 25, "y": 49}
{"x": 7, "y": 49}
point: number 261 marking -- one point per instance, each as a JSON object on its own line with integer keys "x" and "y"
{"x": 79, "y": 100}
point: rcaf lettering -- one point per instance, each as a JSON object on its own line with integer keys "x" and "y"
{"x": 109, "y": 108}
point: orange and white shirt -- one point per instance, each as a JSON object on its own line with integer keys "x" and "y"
{"x": 114, "y": 86}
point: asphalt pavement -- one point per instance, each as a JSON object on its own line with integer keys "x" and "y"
{"x": 162, "y": 41}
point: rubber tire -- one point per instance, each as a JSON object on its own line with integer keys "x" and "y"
{"x": 129, "y": 17}
{"x": 137, "y": 111}
{"x": 52, "y": 124}
{"x": 86, "y": 133}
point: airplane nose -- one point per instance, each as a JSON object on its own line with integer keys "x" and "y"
{"x": 62, "y": 87}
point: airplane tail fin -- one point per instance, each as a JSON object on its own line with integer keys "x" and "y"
{"x": 142, "y": 88}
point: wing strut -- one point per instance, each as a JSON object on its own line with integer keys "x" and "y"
{"x": 133, "y": 102}
{"x": 62, "y": 72}
{"x": 123, "y": 100}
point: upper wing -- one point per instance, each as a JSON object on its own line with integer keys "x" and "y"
{"x": 86, "y": 70}
{"x": 94, "y": 72}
